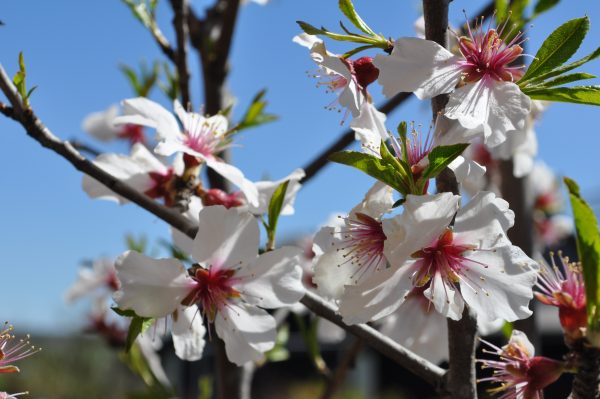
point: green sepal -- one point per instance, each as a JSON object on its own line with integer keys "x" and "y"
{"x": 137, "y": 325}
{"x": 275, "y": 206}
{"x": 440, "y": 157}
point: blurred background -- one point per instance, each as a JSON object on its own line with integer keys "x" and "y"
{"x": 73, "y": 50}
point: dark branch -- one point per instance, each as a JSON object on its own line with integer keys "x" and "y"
{"x": 180, "y": 23}
{"x": 81, "y": 146}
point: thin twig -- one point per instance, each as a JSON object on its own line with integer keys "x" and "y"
{"x": 180, "y": 23}
{"x": 81, "y": 146}
{"x": 339, "y": 374}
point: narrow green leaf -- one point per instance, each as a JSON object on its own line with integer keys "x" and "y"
{"x": 255, "y": 115}
{"x": 311, "y": 30}
{"x": 30, "y": 92}
{"x": 440, "y": 157}
{"x": 308, "y": 28}
{"x": 356, "y": 50}
{"x": 123, "y": 312}
{"x": 567, "y": 78}
{"x": 558, "y": 47}
{"x": 565, "y": 68}
{"x": 131, "y": 77}
{"x": 543, "y": 5}
{"x": 349, "y": 11}
{"x": 588, "y": 249}
{"x": 275, "y": 206}
{"x": 374, "y": 167}
{"x": 578, "y": 94}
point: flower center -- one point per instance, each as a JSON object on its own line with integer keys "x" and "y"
{"x": 446, "y": 257}
{"x": 362, "y": 241}
{"x": 202, "y": 137}
{"x": 487, "y": 55}
{"x": 162, "y": 186}
{"x": 213, "y": 289}
{"x": 132, "y": 133}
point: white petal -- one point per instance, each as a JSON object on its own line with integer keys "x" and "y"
{"x": 378, "y": 201}
{"x": 378, "y": 296}
{"x": 248, "y": 332}
{"x": 419, "y": 327}
{"x": 466, "y": 169}
{"x": 88, "y": 280}
{"x": 188, "y": 334}
{"x": 369, "y": 128}
{"x": 151, "y": 287}
{"x": 351, "y": 98}
{"x": 423, "y": 220}
{"x": 226, "y": 237}
{"x": 274, "y": 280}
{"x": 141, "y": 111}
{"x": 497, "y": 106}
{"x": 518, "y": 338}
{"x": 100, "y": 124}
{"x": 146, "y": 160}
{"x": 332, "y": 271}
{"x": 502, "y": 288}
{"x": 182, "y": 241}
{"x": 235, "y": 176}
{"x": 306, "y": 40}
{"x": 419, "y": 66}
{"x": 445, "y": 298}
{"x": 267, "y": 188}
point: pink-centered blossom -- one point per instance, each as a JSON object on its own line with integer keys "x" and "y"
{"x": 13, "y": 349}
{"x": 100, "y": 126}
{"x": 471, "y": 263}
{"x": 561, "y": 285}
{"x": 228, "y": 285}
{"x": 101, "y": 275}
{"x": 141, "y": 170}
{"x": 480, "y": 80}
{"x": 519, "y": 373}
{"x": 200, "y": 137}
{"x": 352, "y": 250}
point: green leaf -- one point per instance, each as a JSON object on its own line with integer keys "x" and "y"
{"x": 137, "y": 326}
{"x": 565, "y": 68}
{"x": 558, "y": 47}
{"x": 440, "y": 157}
{"x": 275, "y": 206}
{"x": 543, "y": 5}
{"x": 356, "y": 50}
{"x": 308, "y": 28}
{"x": 349, "y": 11}
{"x": 136, "y": 244}
{"x": 568, "y": 78}
{"x": 123, "y": 312}
{"x": 131, "y": 77}
{"x": 501, "y": 10}
{"x": 374, "y": 167}
{"x": 376, "y": 41}
{"x": 507, "y": 329}
{"x": 588, "y": 249}
{"x": 578, "y": 94}
{"x": 255, "y": 115}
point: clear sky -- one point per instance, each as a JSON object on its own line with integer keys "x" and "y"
{"x": 72, "y": 49}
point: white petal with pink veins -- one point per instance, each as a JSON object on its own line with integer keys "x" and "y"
{"x": 235, "y": 176}
{"x": 274, "y": 280}
{"x": 141, "y": 111}
{"x": 188, "y": 334}
{"x": 225, "y": 238}
{"x": 496, "y": 106}
{"x": 150, "y": 287}
{"x": 248, "y": 332}
{"x": 419, "y": 66}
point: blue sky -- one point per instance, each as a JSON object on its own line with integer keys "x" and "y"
{"x": 72, "y": 49}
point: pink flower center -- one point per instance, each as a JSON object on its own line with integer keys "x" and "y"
{"x": 13, "y": 349}
{"x": 446, "y": 257}
{"x": 362, "y": 241}
{"x": 132, "y": 133}
{"x": 213, "y": 289}
{"x": 161, "y": 186}
{"x": 364, "y": 71}
{"x": 487, "y": 55}
{"x": 202, "y": 137}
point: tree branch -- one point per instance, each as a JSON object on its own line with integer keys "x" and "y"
{"x": 419, "y": 366}
{"x": 460, "y": 379}
{"x": 180, "y": 23}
